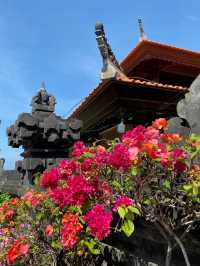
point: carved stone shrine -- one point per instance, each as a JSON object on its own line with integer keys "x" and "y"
{"x": 44, "y": 136}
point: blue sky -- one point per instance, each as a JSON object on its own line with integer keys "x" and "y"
{"x": 54, "y": 41}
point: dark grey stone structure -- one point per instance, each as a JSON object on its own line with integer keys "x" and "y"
{"x": 44, "y": 136}
{"x": 188, "y": 110}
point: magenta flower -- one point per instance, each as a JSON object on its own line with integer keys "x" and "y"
{"x": 50, "y": 179}
{"x": 122, "y": 201}
{"x": 99, "y": 220}
{"x": 120, "y": 158}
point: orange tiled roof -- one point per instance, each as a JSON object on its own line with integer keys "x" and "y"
{"x": 188, "y": 57}
{"x": 179, "y": 55}
{"x": 130, "y": 81}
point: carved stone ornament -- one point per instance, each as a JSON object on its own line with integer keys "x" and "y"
{"x": 111, "y": 67}
{"x": 188, "y": 110}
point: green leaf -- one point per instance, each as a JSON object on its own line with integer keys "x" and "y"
{"x": 134, "y": 170}
{"x": 116, "y": 184}
{"x": 187, "y": 188}
{"x": 128, "y": 227}
{"x": 56, "y": 245}
{"x": 122, "y": 212}
{"x": 134, "y": 210}
{"x": 166, "y": 184}
{"x": 195, "y": 190}
{"x": 92, "y": 247}
{"x": 147, "y": 202}
{"x": 39, "y": 216}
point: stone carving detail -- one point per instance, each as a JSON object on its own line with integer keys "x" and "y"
{"x": 43, "y": 101}
{"x": 43, "y": 135}
{"x": 111, "y": 67}
{"x": 188, "y": 110}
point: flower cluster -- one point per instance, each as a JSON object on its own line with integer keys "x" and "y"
{"x": 8, "y": 209}
{"x": 101, "y": 190}
{"x": 158, "y": 146}
{"x": 34, "y": 198}
{"x": 122, "y": 201}
{"x": 71, "y": 227}
{"x": 119, "y": 158}
{"x": 98, "y": 220}
{"x": 76, "y": 192}
{"x": 19, "y": 248}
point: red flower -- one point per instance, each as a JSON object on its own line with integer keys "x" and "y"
{"x": 98, "y": 220}
{"x": 18, "y": 249}
{"x": 9, "y": 214}
{"x": 179, "y": 156}
{"x": 49, "y": 230}
{"x": 122, "y": 201}
{"x": 180, "y": 167}
{"x": 171, "y": 138}
{"x": 14, "y": 201}
{"x": 150, "y": 149}
{"x": 160, "y": 123}
{"x": 70, "y": 230}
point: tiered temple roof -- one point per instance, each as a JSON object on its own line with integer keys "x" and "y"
{"x": 150, "y": 81}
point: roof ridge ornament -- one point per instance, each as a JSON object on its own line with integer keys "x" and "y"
{"x": 43, "y": 101}
{"x": 141, "y": 28}
{"x": 111, "y": 68}
{"x": 43, "y": 85}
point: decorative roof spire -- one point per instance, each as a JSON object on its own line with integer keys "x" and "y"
{"x": 42, "y": 87}
{"x": 111, "y": 67}
{"x": 103, "y": 44}
{"x": 141, "y": 28}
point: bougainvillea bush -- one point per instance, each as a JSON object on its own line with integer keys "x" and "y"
{"x": 99, "y": 191}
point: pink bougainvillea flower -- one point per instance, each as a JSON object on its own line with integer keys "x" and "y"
{"x": 152, "y": 135}
{"x": 78, "y": 149}
{"x": 179, "y": 154}
{"x": 120, "y": 158}
{"x": 134, "y": 137}
{"x": 99, "y": 220}
{"x": 50, "y": 178}
{"x": 67, "y": 168}
{"x": 122, "y": 201}
{"x": 87, "y": 164}
{"x": 133, "y": 152}
{"x": 76, "y": 192}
